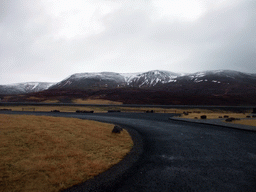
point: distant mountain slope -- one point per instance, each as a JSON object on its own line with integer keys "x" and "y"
{"x": 22, "y": 88}
{"x": 214, "y": 82}
{"x": 91, "y": 80}
{"x": 210, "y": 82}
{"x": 220, "y": 87}
{"x": 220, "y": 76}
{"x": 115, "y": 80}
{"x": 150, "y": 78}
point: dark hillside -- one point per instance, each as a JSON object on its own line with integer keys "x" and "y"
{"x": 144, "y": 96}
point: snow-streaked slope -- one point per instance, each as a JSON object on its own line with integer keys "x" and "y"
{"x": 150, "y": 78}
{"x": 218, "y": 76}
{"x": 91, "y": 80}
{"x": 21, "y": 88}
{"x": 114, "y": 80}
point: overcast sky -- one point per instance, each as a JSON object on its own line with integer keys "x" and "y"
{"x": 49, "y": 40}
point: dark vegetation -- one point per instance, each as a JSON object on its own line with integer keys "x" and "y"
{"x": 143, "y": 96}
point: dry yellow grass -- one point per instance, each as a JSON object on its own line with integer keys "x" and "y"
{"x": 51, "y": 101}
{"x": 214, "y": 115}
{"x": 251, "y": 122}
{"x": 50, "y": 108}
{"x": 34, "y": 98}
{"x": 91, "y": 108}
{"x": 50, "y": 153}
{"x": 96, "y": 101}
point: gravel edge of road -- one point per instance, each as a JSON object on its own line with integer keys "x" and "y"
{"x": 110, "y": 178}
{"x": 215, "y": 122}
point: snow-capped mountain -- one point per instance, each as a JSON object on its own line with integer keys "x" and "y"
{"x": 115, "y": 80}
{"x": 218, "y": 81}
{"x": 221, "y": 82}
{"x": 218, "y": 76}
{"x": 91, "y": 80}
{"x": 150, "y": 78}
{"x": 21, "y": 88}
{"x": 221, "y": 87}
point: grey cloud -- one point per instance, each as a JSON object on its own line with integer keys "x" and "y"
{"x": 226, "y": 40}
{"x": 131, "y": 41}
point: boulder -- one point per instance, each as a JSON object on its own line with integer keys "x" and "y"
{"x": 229, "y": 120}
{"x": 203, "y": 117}
{"x": 117, "y": 129}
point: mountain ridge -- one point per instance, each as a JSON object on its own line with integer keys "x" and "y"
{"x": 23, "y": 88}
{"x": 218, "y": 87}
{"x": 150, "y": 79}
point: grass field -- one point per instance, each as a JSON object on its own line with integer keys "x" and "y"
{"x": 96, "y": 101}
{"x": 91, "y": 108}
{"x": 52, "y": 153}
{"x": 251, "y": 122}
{"x": 215, "y": 115}
{"x": 98, "y": 109}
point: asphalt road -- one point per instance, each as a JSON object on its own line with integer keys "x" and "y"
{"x": 181, "y": 156}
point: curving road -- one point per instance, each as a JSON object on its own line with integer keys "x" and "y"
{"x": 181, "y": 156}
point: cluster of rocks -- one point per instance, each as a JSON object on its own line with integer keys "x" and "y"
{"x": 55, "y": 111}
{"x": 83, "y": 111}
{"x": 225, "y": 116}
{"x": 5, "y": 109}
{"x": 186, "y": 112}
{"x": 114, "y": 111}
{"x": 250, "y": 116}
{"x": 231, "y": 119}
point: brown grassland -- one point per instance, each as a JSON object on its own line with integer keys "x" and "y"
{"x": 216, "y": 115}
{"x": 251, "y": 122}
{"x": 53, "y": 153}
{"x": 96, "y": 101}
{"x": 90, "y": 108}
{"x": 193, "y": 113}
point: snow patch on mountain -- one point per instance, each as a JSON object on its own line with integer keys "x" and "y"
{"x": 21, "y": 88}
{"x": 148, "y": 79}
